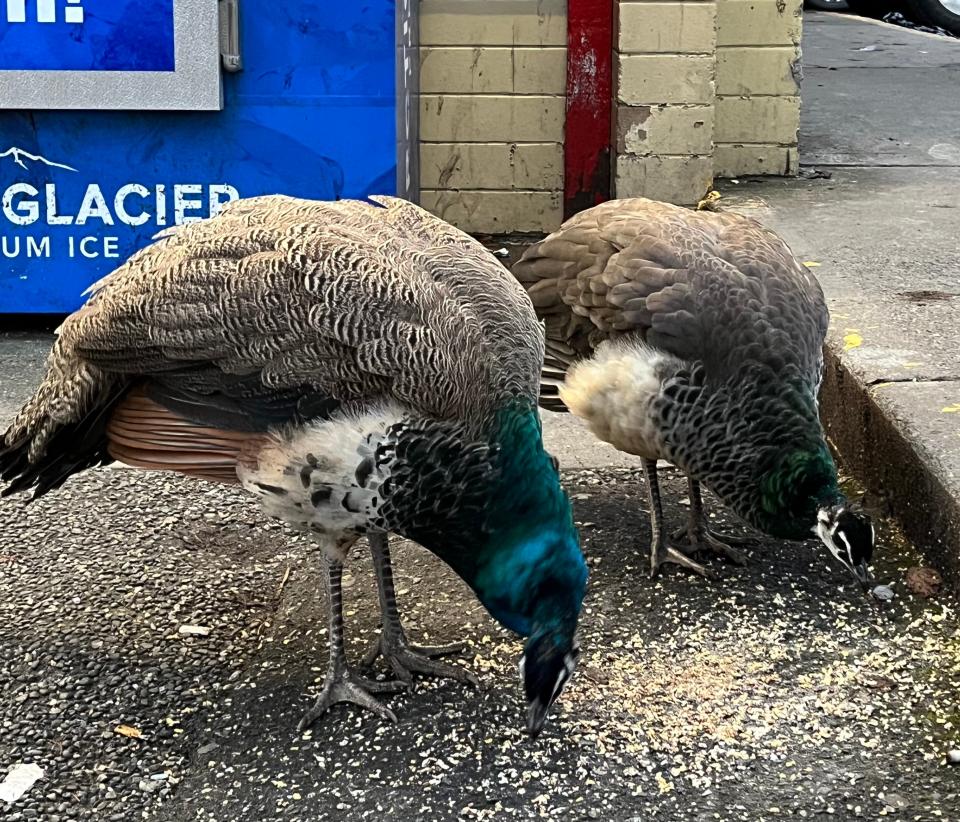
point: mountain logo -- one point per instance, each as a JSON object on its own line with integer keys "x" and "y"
{"x": 18, "y": 155}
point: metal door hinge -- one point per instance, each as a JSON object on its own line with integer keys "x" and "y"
{"x": 230, "y": 35}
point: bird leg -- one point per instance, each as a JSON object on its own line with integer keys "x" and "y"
{"x": 661, "y": 550}
{"x": 341, "y": 684}
{"x": 403, "y": 658}
{"x": 701, "y": 538}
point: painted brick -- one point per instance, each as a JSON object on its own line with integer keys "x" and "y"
{"x": 735, "y": 160}
{"x": 497, "y": 212}
{"x": 493, "y": 118}
{"x": 537, "y": 166}
{"x": 499, "y": 23}
{"x": 757, "y": 120}
{"x": 665, "y": 129}
{"x": 493, "y": 70}
{"x": 677, "y": 27}
{"x": 645, "y": 79}
{"x": 763, "y": 70}
{"x": 681, "y": 180}
{"x": 759, "y": 22}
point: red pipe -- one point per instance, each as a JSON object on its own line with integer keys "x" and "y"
{"x": 587, "y": 137}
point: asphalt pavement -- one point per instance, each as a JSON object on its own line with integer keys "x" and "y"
{"x": 776, "y": 692}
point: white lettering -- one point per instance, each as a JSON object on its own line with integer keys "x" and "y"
{"x": 35, "y": 249}
{"x": 111, "y": 246}
{"x": 10, "y": 246}
{"x": 26, "y": 211}
{"x": 84, "y": 243}
{"x": 52, "y": 217}
{"x": 218, "y": 191}
{"x": 161, "y": 204}
{"x": 119, "y": 204}
{"x": 181, "y": 204}
{"x": 94, "y": 205}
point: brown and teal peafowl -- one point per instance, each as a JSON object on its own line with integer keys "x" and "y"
{"x": 361, "y": 367}
{"x": 696, "y": 337}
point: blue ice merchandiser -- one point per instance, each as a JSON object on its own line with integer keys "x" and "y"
{"x": 119, "y": 118}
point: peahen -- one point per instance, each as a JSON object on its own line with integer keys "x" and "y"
{"x": 363, "y": 368}
{"x": 696, "y": 337}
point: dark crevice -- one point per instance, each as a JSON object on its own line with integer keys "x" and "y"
{"x": 918, "y": 380}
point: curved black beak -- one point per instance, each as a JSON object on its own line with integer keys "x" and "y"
{"x": 536, "y": 717}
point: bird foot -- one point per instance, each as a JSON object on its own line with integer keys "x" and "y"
{"x": 347, "y": 686}
{"x": 667, "y": 553}
{"x": 704, "y": 539}
{"x": 405, "y": 659}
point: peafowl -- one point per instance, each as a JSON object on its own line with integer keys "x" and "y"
{"x": 696, "y": 337}
{"x": 362, "y": 368}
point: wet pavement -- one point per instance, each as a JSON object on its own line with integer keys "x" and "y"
{"x": 775, "y": 692}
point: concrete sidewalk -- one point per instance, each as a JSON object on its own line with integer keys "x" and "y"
{"x": 881, "y": 124}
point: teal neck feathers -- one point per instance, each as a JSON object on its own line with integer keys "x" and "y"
{"x": 529, "y": 571}
{"x": 794, "y": 489}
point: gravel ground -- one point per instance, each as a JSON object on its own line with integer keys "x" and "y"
{"x": 775, "y": 692}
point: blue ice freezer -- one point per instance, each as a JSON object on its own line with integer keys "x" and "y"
{"x": 118, "y": 119}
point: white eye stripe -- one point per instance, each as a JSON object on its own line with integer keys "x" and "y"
{"x": 558, "y": 685}
{"x": 847, "y": 545}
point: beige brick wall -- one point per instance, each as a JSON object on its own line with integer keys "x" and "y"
{"x": 758, "y": 87}
{"x": 492, "y": 106}
{"x": 702, "y": 88}
{"x": 665, "y": 80}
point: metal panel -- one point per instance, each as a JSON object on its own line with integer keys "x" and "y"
{"x": 312, "y": 114}
{"x": 408, "y": 100}
{"x": 109, "y": 54}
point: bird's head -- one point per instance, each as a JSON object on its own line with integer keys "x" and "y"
{"x": 494, "y": 510}
{"x": 801, "y": 494}
{"x": 849, "y": 536}
{"x": 532, "y": 577}
{"x": 549, "y": 660}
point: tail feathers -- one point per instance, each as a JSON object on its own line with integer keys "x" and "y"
{"x": 551, "y": 378}
{"x": 69, "y": 449}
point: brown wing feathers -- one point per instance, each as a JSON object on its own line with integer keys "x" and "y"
{"x": 316, "y": 304}
{"x": 146, "y": 435}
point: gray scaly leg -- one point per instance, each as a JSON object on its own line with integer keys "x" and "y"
{"x": 403, "y": 658}
{"x": 660, "y": 549}
{"x": 701, "y": 538}
{"x": 341, "y": 684}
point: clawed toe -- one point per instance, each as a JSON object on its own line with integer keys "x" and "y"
{"x": 405, "y": 660}
{"x": 720, "y": 544}
{"x": 434, "y": 651}
{"x": 348, "y": 687}
{"x": 670, "y": 554}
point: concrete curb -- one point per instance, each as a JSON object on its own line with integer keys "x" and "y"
{"x": 880, "y": 451}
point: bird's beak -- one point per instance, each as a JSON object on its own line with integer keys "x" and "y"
{"x": 536, "y": 717}
{"x": 862, "y": 574}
